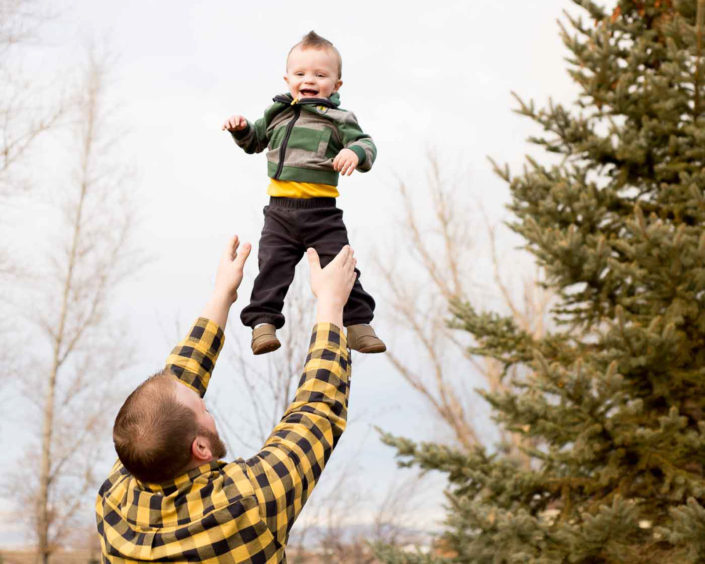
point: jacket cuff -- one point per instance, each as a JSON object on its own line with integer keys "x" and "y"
{"x": 360, "y": 152}
{"x": 241, "y": 134}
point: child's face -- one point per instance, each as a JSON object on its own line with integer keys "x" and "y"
{"x": 312, "y": 73}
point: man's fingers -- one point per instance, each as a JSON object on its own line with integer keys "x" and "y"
{"x": 231, "y": 248}
{"x": 314, "y": 262}
{"x": 241, "y": 256}
{"x": 231, "y": 254}
{"x": 344, "y": 257}
{"x": 347, "y": 256}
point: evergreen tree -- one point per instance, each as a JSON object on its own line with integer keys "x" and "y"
{"x": 611, "y": 404}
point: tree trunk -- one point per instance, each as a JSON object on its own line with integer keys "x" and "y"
{"x": 44, "y": 517}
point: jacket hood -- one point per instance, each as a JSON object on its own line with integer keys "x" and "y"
{"x": 332, "y": 102}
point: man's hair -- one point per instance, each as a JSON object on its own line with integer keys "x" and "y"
{"x": 153, "y": 431}
{"x": 314, "y": 41}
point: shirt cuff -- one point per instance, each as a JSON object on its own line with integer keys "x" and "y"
{"x": 208, "y": 331}
{"x": 328, "y": 334}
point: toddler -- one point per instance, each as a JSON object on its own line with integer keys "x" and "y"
{"x": 310, "y": 141}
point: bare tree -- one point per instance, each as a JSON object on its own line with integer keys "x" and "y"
{"x": 448, "y": 267}
{"x": 26, "y": 112}
{"x": 86, "y": 347}
{"x": 19, "y": 20}
{"x": 344, "y": 517}
{"x": 26, "y": 109}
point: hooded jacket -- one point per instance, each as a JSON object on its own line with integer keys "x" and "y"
{"x": 304, "y": 136}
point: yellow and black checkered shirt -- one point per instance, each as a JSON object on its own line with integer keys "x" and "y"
{"x": 240, "y": 511}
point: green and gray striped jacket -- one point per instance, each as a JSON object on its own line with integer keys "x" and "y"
{"x": 303, "y": 138}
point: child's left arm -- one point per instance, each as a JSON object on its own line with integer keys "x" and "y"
{"x": 359, "y": 151}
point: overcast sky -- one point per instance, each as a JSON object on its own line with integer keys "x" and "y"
{"x": 418, "y": 75}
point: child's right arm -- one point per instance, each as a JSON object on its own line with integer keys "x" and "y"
{"x": 251, "y": 137}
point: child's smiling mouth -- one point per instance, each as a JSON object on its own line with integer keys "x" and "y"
{"x": 308, "y": 92}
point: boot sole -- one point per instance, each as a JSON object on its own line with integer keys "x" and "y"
{"x": 372, "y": 349}
{"x": 266, "y": 347}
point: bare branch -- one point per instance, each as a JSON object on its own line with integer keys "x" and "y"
{"x": 418, "y": 300}
{"x": 267, "y": 382}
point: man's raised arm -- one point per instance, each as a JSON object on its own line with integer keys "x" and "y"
{"x": 193, "y": 359}
{"x": 288, "y": 466}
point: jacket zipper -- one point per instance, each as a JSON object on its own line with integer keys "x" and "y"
{"x": 287, "y": 134}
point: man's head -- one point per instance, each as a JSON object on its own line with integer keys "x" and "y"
{"x": 313, "y": 68}
{"x": 164, "y": 429}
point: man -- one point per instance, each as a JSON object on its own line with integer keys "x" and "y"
{"x": 169, "y": 498}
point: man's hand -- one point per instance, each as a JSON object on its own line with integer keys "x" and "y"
{"x": 235, "y": 123}
{"x": 345, "y": 162}
{"x": 228, "y": 277}
{"x": 332, "y": 284}
{"x": 229, "y": 274}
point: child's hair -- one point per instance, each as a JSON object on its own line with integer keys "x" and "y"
{"x": 314, "y": 41}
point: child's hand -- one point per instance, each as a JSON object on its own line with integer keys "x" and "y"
{"x": 345, "y": 162}
{"x": 235, "y": 123}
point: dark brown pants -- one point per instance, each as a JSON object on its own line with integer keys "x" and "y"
{"x": 292, "y": 225}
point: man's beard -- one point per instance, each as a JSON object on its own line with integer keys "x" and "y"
{"x": 218, "y": 449}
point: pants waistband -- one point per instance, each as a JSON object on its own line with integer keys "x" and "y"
{"x": 301, "y": 203}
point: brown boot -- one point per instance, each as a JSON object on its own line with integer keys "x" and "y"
{"x": 362, "y": 338}
{"x": 264, "y": 339}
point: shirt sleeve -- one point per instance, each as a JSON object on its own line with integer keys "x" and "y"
{"x": 358, "y": 141}
{"x": 193, "y": 359}
{"x": 287, "y": 468}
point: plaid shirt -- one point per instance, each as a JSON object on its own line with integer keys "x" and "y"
{"x": 240, "y": 511}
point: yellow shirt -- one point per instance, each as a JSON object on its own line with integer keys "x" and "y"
{"x": 291, "y": 189}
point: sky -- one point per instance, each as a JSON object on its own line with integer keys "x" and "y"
{"x": 419, "y": 76}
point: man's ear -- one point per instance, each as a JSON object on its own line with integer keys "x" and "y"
{"x": 201, "y": 449}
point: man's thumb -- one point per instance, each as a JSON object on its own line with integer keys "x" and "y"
{"x": 314, "y": 262}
